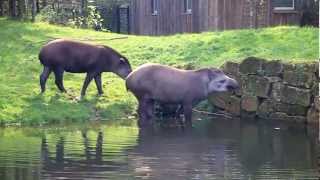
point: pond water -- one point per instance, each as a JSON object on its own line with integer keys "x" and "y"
{"x": 213, "y": 149}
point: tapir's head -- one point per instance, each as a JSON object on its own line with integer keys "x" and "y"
{"x": 119, "y": 64}
{"x": 122, "y": 67}
{"x": 220, "y": 82}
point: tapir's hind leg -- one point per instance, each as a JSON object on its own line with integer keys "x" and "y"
{"x": 59, "y": 79}
{"x": 145, "y": 111}
{"x": 43, "y": 78}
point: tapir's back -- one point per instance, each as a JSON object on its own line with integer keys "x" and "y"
{"x": 162, "y": 82}
{"x": 66, "y": 53}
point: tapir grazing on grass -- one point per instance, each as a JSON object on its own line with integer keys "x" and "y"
{"x": 77, "y": 57}
{"x": 155, "y": 82}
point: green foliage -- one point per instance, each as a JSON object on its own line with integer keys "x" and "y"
{"x": 20, "y": 101}
{"x": 72, "y": 17}
{"x": 92, "y": 20}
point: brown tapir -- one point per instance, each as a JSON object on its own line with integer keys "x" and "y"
{"x": 155, "y": 82}
{"x": 77, "y": 57}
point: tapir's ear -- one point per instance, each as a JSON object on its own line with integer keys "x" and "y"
{"x": 213, "y": 73}
{"x": 124, "y": 60}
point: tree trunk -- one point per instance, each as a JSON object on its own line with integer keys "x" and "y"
{"x": 12, "y": 8}
{"x": 33, "y": 10}
{"x": 1, "y": 8}
{"x": 44, "y": 3}
{"x": 21, "y": 8}
{"x": 38, "y": 6}
{"x": 84, "y": 5}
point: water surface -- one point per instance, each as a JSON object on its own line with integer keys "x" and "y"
{"x": 213, "y": 149}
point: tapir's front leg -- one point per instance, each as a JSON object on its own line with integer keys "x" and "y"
{"x": 187, "y": 110}
{"x": 97, "y": 79}
{"x": 87, "y": 81}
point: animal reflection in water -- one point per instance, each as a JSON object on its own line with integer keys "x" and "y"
{"x": 247, "y": 150}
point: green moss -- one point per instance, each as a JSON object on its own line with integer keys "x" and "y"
{"x": 20, "y": 42}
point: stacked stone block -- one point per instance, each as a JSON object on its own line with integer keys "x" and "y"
{"x": 272, "y": 90}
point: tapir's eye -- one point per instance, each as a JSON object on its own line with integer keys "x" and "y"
{"x": 222, "y": 81}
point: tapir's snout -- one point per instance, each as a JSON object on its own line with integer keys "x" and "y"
{"x": 232, "y": 85}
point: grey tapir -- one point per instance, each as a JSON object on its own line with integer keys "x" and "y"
{"x": 155, "y": 82}
{"x": 77, "y": 57}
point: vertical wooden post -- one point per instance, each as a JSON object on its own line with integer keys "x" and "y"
{"x": 12, "y": 8}
{"x": 1, "y": 8}
{"x": 118, "y": 19}
{"x": 128, "y": 19}
{"x": 38, "y": 6}
{"x": 21, "y": 8}
{"x": 33, "y": 10}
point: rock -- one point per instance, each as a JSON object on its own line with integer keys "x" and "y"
{"x": 291, "y": 109}
{"x": 273, "y": 68}
{"x": 315, "y": 89}
{"x": 276, "y": 91}
{"x": 265, "y": 109}
{"x": 317, "y": 102}
{"x": 256, "y": 86}
{"x": 298, "y": 78}
{"x": 226, "y": 101}
{"x": 231, "y": 68}
{"x": 293, "y": 95}
{"x": 238, "y": 78}
{"x": 249, "y": 103}
{"x": 298, "y": 119}
{"x": 252, "y": 65}
{"x": 234, "y": 106}
{"x": 313, "y": 116}
{"x": 220, "y": 99}
{"x": 285, "y": 117}
{"x": 317, "y": 66}
{"x": 289, "y": 67}
{"x": 274, "y": 79}
{"x": 248, "y": 115}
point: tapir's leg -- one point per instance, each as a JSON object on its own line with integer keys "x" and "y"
{"x": 143, "y": 111}
{"x": 187, "y": 110}
{"x": 43, "y": 78}
{"x": 97, "y": 79}
{"x": 58, "y": 72}
{"x": 87, "y": 81}
{"x": 149, "y": 109}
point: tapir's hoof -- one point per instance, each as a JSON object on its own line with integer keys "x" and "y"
{"x": 80, "y": 98}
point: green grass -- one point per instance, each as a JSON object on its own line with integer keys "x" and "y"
{"x": 20, "y": 42}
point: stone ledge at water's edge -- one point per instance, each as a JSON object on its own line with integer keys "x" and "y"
{"x": 272, "y": 90}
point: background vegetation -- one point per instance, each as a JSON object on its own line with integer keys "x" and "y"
{"x": 20, "y": 101}
{"x": 98, "y": 14}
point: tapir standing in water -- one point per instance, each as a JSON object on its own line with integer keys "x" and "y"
{"x": 76, "y": 57}
{"x": 155, "y": 82}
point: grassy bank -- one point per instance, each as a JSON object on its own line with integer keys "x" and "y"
{"x": 20, "y": 101}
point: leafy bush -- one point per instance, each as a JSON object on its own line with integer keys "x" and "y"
{"x": 55, "y": 16}
{"x": 92, "y": 19}
{"x": 72, "y": 17}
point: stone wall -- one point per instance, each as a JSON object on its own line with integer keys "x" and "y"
{"x": 272, "y": 90}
